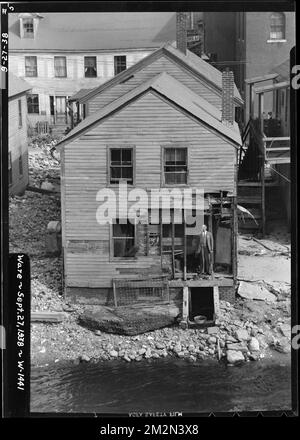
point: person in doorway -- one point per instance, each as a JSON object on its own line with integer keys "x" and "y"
{"x": 205, "y": 250}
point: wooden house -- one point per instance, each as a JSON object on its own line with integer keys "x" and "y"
{"x": 151, "y": 127}
{"x": 188, "y": 68}
{"x": 17, "y": 135}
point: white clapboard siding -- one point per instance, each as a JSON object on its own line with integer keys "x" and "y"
{"x": 147, "y": 123}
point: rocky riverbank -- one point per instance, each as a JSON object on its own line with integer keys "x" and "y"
{"x": 251, "y": 329}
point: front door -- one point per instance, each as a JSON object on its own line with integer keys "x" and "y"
{"x": 61, "y": 110}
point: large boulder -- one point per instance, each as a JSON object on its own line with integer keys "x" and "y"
{"x": 255, "y": 291}
{"x": 129, "y": 320}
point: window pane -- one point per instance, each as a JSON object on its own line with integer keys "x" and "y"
{"x": 124, "y": 247}
{"x": 60, "y": 66}
{"x": 170, "y": 155}
{"x": 127, "y": 173}
{"x": 116, "y": 172}
{"x": 115, "y": 157}
{"x": 90, "y": 66}
{"x": 126, "y": 156}
{"x": 180, "y": 154}
{"x": 123, "y": 230}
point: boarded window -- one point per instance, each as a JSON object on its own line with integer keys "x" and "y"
{"x": 90, "y": 67}
{"x": 9, "y": 169}
{"x": 20, "y": 112}
{"x": 175, "y": 166}
{"x": 33, "y": 103}
{"x": 277, "y": 26}
{"x": 60, "y": 67}
{"x": 121, "y": 165}
{"x": 123, "y": 240}
{"x": 30, "y": 66}
{"x": 28, "y": 29}
{"x": 120, "y": 63}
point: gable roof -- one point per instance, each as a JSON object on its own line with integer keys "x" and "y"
{"x": 190, "y": 61}
{"x": 173, "y": 90}
{"x": 17, "y": 86}
{"x": 77, "y": 32}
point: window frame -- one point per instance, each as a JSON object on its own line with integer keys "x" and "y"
{"x": 10, "y": 173}
{"x": 65, "y": 67}
{"x": 108, "y": 162}
{"x": 25, "y": 21}
{"x": 180, "y": 145}
{"x": 20, "y": 115}
{"x": 277, "y": 28}
{"x": 85, "y": 67}
{"x": 35, "y": 71}
{"x": 38, "y": 103}
{"x": 111, "y": 245}
{"x": 117, "y": 64}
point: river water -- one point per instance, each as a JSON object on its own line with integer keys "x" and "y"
{"x": 161, "y": 385}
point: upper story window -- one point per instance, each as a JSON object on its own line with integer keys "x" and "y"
{"x": 277, "y": 26}
{"x": 175, "y": 166}
{"x": 20, "y": 112}
{"x": 60, "y": 67}
{"x": 90, "y": 67}
{"x": 120, "y": 63}
{"x": 28, "y": 28}
{"x": 30, "y": 66}
{"x": 33, "y": 103}
{"x": 121, "y": 165}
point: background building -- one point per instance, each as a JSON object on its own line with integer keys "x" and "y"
{"x": 250, "y": 43}
{"x": 59, "y": 54}
{"x": 17, "y": 135}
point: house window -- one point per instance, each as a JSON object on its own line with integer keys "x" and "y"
{"x": 28, "y": 29}
{"x": 277, "y": 26}
{"x": 30, "y": 66}
{"x": 120, "y": 64}
{"x": 9, "y": 169}
{"x": 175, "y": 166}
{"x": 20, "y": 165}
{"x": 90, "y": 67}
{"x": 33, "y": 103}
{"x": 20, "y": 112}
{"x": 123, "y": 240}
{"x": 60, "y": 67}
{"x": 121, "y": 165}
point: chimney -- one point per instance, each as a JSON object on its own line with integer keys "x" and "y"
{"x": 181, "y": 39}
{"x": 227, "y": 96}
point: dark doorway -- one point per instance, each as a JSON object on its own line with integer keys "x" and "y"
{"x": 201, "y": 302}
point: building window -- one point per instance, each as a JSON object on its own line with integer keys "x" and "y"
{"x": 175, "y": 166}
{"x": 277, "y": 26}
{"x": 90, "y": 67}
{"x": 20, "y": 112}
{"x": 120, "y": 64}
{"x": 60, "y": 67}
{"x": 33, "y": 103}
{"x": 121, "y": 165}
{"x": 9, "y": 169}
{"x": 20, "y": 165}
{"x": 123, "y": 240}
{"x": 28, "y": 28}
{"x": 30, "y": 66}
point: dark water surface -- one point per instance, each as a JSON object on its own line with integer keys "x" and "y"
{"x": 161, "y": 385}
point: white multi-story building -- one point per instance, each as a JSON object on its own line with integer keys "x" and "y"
{"x": 60, "y": 53}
